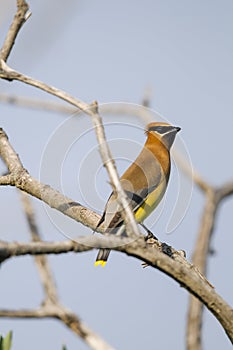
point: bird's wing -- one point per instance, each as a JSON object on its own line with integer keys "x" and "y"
{"x": 139, "y": 180}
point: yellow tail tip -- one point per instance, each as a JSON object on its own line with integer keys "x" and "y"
{"x": 100, "y": 262}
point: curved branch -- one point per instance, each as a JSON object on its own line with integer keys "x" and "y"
{"x": 20, "y": 178}
{"x": 174, "y": 265}
{"x": 67, "y": 317}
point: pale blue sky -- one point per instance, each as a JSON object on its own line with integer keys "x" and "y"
{"x": 110, "y": 52}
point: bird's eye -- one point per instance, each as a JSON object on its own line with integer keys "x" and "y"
{"x": 160, "y": 129}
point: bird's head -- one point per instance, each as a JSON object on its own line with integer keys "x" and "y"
{"x": 164, "y": 132}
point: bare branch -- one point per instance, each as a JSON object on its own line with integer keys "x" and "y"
{"x": 8, "y": 250}
{"x": 9, "y": 74}
{"x": 5, "y": 180}
{"x": 37, "y": 104}
{"x": 191, "y": 173}
{"x": 19, "y": 19}
{"x": 8, "y": 154}
{"x": 20, "y": 178}
{"x": 225, "y": 190}
{"x": 93, "y": 340}
{"x": 175, "y": 265}
{"x": 200, "y": 257}
{"x": 42, "y": 264}
{"x": 127, "y": 213}
{"x": 138, "y": 111}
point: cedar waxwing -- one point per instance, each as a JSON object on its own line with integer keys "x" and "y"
{"x": 144, "y": 182}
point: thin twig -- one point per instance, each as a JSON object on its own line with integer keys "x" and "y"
{"x": 191, "y": 172}
{"x": 20, "y": 18}
{"x": 145, "y": 114}
{"x": 42, "y": 264}
{"x": 107, "y": 159}
{"x": 93, "y": 340}
{"x": 225, "y": 190}
{"x": 38, "y": 104}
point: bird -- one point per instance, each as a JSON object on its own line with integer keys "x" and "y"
{"x": 144, "y": 182}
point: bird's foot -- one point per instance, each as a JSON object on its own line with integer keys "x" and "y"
{"x": 149, "y": 235}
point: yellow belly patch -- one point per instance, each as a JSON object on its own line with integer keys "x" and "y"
{"x": 151, "y": 202}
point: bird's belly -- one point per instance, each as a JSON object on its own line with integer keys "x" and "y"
{"x": 150, "y": 203}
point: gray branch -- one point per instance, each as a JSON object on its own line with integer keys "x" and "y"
{"x": 201, "y": 251}
{"x": 20, "y": 18}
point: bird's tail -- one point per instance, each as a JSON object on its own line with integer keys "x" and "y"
{"x": 102, "y": 257}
